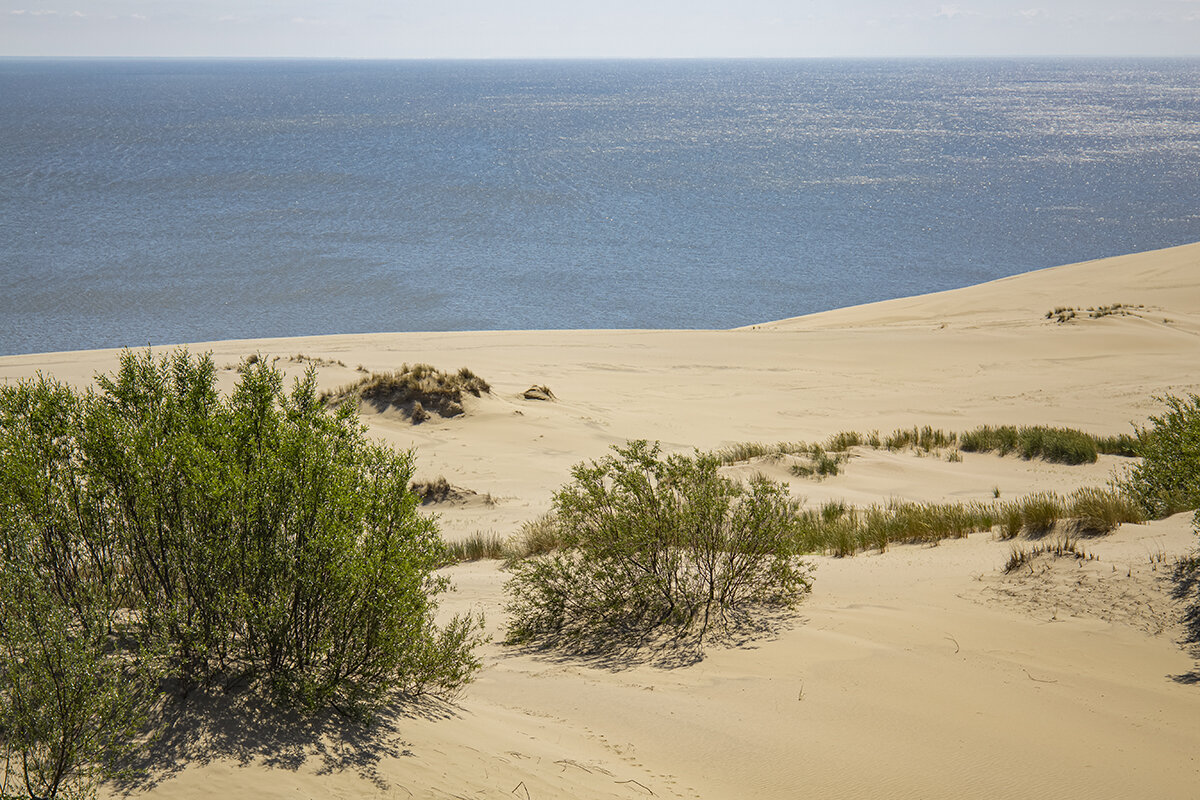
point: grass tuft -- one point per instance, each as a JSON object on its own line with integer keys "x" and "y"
{"x": 477, "y": 547}
{"x": 1057, "y": 445}
{"x": 418, "y": 391}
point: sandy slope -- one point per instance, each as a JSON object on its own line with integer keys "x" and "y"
{"x": 920, "y": 672}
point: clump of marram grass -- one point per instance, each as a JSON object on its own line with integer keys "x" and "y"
{"x": 477, "y": 547}
{"x": 1039, "y": 512}
{"x": 838, "y": 529}
{"x": 437, "y": 490}
{"x": 821, "y": 464}
{"x": 1089, "y": 511}
{"x": 1063, "y": 547}
{"x": 841, "y": 530}
{"x": 739, "y": 452}
{"x": 822, "y": 460}
{"x": 1120, "y": 445}
{"x": 840, "y": 442}
{"x": 316, "y": 361}
{"x": 1057, "y": 445}
{"x": 418, "y": 391}
{"x": 1061, "y": 314}
{"x": 1094, "y": 511}
{"x": 926, "y": 439}
{"x": 1116, "y": 309}
{"x": 537, "y": 537}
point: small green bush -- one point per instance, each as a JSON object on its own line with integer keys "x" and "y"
{"x": 1167, "y": 480}
{"x": 651, "y": 542}
{"x": 153, "y": 526}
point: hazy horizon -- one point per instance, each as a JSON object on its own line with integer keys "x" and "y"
{"x": 620, "y": 29}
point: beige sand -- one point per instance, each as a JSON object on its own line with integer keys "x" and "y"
{"x": 920, "y": 672}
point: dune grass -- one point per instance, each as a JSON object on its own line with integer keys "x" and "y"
{"x": 1055, "y": 445}
{"x": 477, "y": 547}
{"x": 417, "y": 390}
{"x": 838, "y": 529}
{"x": 1064, "y": 547}
{"x": 1090, "y": 511}
{"x": 841, "y": 530}
{"x": 740, "y": 452}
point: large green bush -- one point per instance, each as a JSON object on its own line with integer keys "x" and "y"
{"x": 649, "y": 542}
{"x": 158, "y": 527}
{"x": 1167, "y": 480}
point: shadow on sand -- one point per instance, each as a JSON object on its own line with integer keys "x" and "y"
{"x": 617, "y": 649}
{"x": 1186, "y": 589}
{"x": 204, "y": 727}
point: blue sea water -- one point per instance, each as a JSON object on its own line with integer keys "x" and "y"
{"x": 163, "y": 201}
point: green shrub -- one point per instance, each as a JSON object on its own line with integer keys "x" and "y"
{"x": 257, "y": 538}
{"x": 649, "y": 543}
{"x": 1167, "y": 480}
{"x": 74, "y": 689}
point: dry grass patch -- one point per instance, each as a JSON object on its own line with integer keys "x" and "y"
{"x": 417, "y": 391}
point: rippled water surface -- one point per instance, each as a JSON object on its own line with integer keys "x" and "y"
{"x": 169, "y": 201}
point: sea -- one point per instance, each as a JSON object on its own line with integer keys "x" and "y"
{"x": 167, "y": 201}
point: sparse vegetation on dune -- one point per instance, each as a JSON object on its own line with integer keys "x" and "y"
{"x": 437, "y": 490}
{"x": 417, "y": 391}
{"x": 842, "y": 530}
{"x": 1064, "y": 547}
{"x": 1056, "y": 445}
{"x": 744, "y": 451}
{"x": 1063, "y": 314}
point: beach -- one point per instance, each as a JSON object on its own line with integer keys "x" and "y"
{"x": 923, "y": 671}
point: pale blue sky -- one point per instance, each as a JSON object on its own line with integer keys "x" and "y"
{"x": 614, "y": 28}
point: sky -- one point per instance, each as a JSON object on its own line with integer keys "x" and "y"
{"x": 611, "y": 29}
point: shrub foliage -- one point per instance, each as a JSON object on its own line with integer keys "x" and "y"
{"x": 1167, "y": 480}
{"x": 651, "y": 542}
{"x": 158, "y": 527}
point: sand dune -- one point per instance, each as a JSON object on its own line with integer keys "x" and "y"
{"x": 919, "y": 672}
